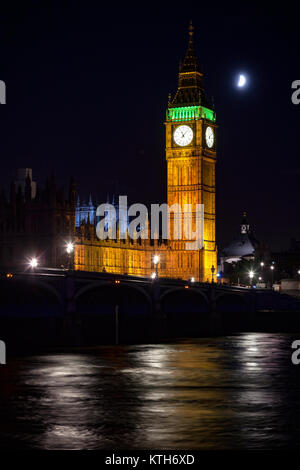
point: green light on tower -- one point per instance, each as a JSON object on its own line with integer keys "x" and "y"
{"x": 187, "y": 113}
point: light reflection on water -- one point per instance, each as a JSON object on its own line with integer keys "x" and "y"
{"x": 214, "y": 393}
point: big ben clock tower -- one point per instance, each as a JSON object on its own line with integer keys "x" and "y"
{"x": 191, "y": 159}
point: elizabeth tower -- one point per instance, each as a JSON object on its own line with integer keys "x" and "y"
{"x": 191, "y": 159}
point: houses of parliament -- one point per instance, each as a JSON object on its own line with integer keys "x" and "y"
{"x": 39, "y": 222}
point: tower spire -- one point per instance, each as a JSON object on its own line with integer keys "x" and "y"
{"x": 190, "y": 63}
{"x": 245, "y": 227}
{"x": 190, "y": 90}
{"x": 191, "y": 28}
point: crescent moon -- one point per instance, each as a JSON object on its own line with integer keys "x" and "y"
{"x": 242, "y": 81}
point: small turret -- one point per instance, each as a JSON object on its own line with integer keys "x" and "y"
{"x": 24, "y": 177}
{"x": 72, "y": 192}
{"x": 245, "y": 227}
{"x": 12, "y": 198}
{"x": 27, "y": 192}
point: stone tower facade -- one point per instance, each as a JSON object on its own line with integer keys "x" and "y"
{"x": 191, "y": 159}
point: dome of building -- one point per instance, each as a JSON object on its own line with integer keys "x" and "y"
{"x": 243, "y": 246}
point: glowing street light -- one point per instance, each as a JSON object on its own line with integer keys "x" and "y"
{"x": 262, "y": 264}
{"x": 153, "y": 275}
{"x": 298, "y": 271}
{"x": 251, "y": 275}
{"x": 156, "y": 261}
{"x": 33, "y": 263}
{"x": 192, "y": 279}
{"x": 272, "y": 270}
{"x": 70, "y": 248}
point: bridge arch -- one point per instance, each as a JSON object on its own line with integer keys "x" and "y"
{"x": 48, "y": 287}
{"x": 30, "y": 297}
{"x": 233, "y": 309}
{"x": 186, "y": 312}
{"x": 184, "y": 290}
{"x": 105, "y": 310}
{"x": 100, "y": 284}
{"x": 31, "y": 312}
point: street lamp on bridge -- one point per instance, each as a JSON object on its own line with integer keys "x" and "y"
{"x": 272, "y": 271}
{"x": 70, "y": 247}
{"x": 212, "y": 273}
{"x": 33, "y": 263}
{"x": 155, "y": 262}
{"x": 70, "y": 250}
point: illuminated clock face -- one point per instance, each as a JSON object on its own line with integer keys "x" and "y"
{"x": 209, "y": 137}
{"x": 183, "y": 135}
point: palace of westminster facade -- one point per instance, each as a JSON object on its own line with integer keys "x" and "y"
{"x": 191, "y": 158}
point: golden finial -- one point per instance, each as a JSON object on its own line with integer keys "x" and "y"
{"x": 169, "y": 99}
{"x": 191, "y": 29}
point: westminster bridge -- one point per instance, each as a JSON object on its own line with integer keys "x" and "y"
{"x": 62, "y": 307}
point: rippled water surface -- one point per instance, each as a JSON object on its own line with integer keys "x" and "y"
{"x": 231, "y": 392}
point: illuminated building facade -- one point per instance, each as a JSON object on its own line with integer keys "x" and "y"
{"x": 191, "y": 159}
{"x": 35, "y": 222}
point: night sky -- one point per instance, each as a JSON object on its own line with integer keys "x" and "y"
{"x": 87, "y": 90}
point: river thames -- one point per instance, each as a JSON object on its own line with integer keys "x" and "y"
{"x": 233, "y": 392}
